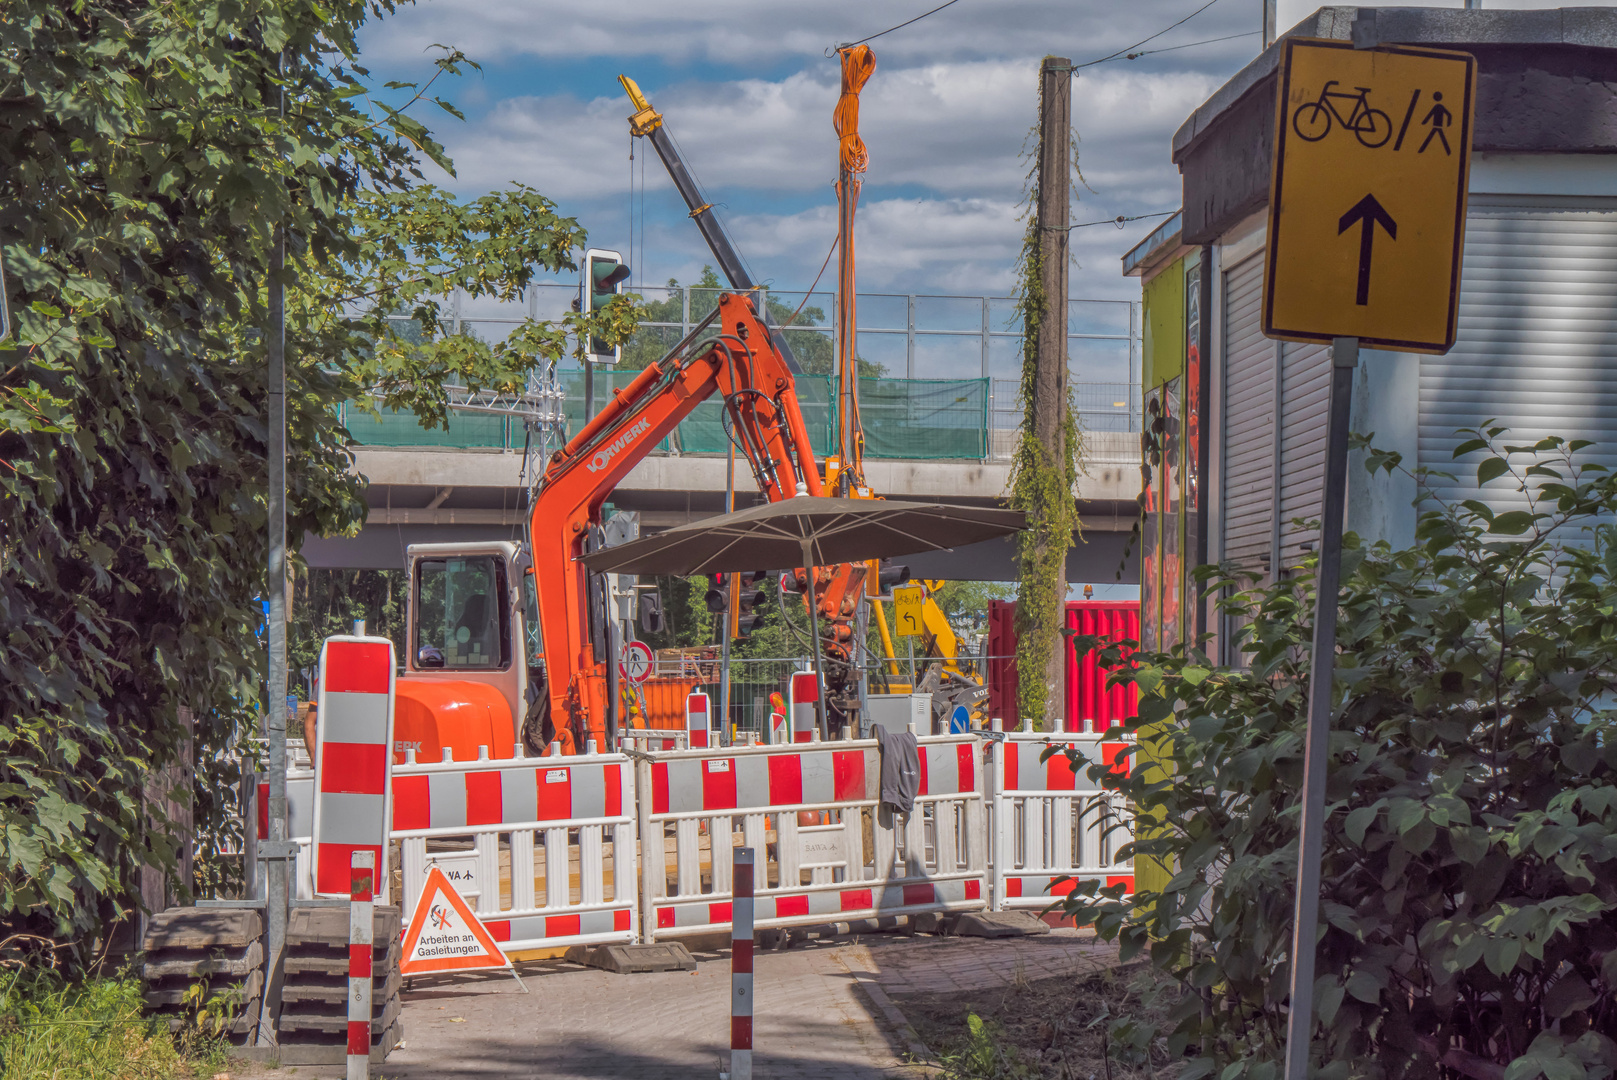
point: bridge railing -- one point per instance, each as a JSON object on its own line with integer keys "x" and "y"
{"x": 941, "y": 372}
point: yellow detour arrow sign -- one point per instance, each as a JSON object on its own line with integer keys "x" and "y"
{"x": 907, "y": 603}
{"x": 1367, "y": 211}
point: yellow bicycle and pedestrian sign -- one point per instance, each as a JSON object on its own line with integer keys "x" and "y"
{"x": 1367, "y": 209}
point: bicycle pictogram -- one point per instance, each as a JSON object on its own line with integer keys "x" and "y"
{"x": 1312, "y": 121}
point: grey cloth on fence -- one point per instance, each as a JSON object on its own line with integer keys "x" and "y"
{"x": 900, "y": 768}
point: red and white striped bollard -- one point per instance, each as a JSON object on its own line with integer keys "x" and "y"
{"x": 741, "y": 966}
{"x": 361, "y": 932}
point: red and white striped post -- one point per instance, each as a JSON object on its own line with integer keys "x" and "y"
{"x": 741, "y": 966}
{"x": 361, "y": 931}
{"x": 805, "y": 705}
{"x": 697, "y": 730}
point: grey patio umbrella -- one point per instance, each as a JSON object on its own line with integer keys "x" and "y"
{"x": 807, "y": 532}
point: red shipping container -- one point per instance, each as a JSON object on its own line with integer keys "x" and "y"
{"x": 1089, "y": 699}
{"x": 1089, "y": 704}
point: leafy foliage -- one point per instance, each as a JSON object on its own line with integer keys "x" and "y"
{"x": 1469, "y": 898}
{"x": 327, "y": 602}
{"x": 148, "y": 153}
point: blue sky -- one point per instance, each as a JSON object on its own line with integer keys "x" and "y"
{"x": 747, "y": 91}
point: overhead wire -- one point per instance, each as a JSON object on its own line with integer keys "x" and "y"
{"x": 850, "y": 44}
{"x": 1128, "y": 49}
{"x": 1192, "y": 44}
{"x": 1121, "y": 219}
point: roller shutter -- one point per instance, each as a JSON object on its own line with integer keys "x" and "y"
{"x": 1248, "y": 448}
{"x": 1305, "y": 390}
{"x": 1537, "y": 347}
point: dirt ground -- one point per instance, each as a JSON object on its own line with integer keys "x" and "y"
{"x": 1042, "y": 1029}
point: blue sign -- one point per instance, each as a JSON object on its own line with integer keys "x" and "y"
{"x": 960, "y": 720}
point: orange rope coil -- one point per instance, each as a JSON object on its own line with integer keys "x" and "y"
{"x": 858, "y": 64}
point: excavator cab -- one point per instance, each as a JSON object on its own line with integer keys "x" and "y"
{"x": 470, "y": 651}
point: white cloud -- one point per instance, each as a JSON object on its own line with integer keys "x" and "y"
{"x": 956, "y": 129}
{"x": 932, "y": 245}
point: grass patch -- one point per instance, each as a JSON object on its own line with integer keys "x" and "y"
{"x": 54, "y": 1028}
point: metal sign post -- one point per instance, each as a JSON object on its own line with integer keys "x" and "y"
{"x": 1366, "y": 228}
{"x": 1321, "y": 668}
{"x": 5, "y": 305}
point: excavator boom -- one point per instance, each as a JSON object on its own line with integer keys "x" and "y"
{"x": 744, "y": 367}
{"x": 648, "y": 122}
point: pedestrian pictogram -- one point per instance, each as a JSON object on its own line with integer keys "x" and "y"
{"x": 1367, "y": 209}
{"x": 637, "y": 663}
{"x": 444, "y": 935}
{"x": 1438, "y": 119}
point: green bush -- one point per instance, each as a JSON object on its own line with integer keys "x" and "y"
{"x": 92, "y": 1030}
{"x": 1469, "y": 895}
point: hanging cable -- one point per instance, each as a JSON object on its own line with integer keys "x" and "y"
{"x": 641, "y": 277}
{"x": 811, "y": 288}
{"x": 632, "y": 262}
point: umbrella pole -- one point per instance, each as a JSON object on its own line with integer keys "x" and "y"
{"x": 814, "y": 631}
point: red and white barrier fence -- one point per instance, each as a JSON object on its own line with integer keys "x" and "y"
{"x": 931, "y": 859}
{"x": 514, "y": 835}
{"x": 1052, "y": 822}
{"x": 618, "y": 847}
{"x": 647, "y": 740}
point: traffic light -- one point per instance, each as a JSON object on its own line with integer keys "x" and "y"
{"x": 888, "y": 576}
{"x": 604, "y": 274}
{"x": 717, "y": 598}
{"x": 747, "y": 615}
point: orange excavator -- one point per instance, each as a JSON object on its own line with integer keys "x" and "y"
{"x": 474, "y": 607}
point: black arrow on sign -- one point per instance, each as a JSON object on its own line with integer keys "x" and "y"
{"x": 1367, "y": 211}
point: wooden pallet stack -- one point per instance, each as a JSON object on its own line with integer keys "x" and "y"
{"x": 220, "y": 948}
{"x": 314, "y": 997}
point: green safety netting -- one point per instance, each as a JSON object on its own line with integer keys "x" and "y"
{"x": 466, "y": 430}
{"x": 921, "y": 419}
{"x": 910, "y": 419}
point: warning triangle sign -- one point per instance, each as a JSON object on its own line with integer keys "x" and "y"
{"x": 444, "y": 935}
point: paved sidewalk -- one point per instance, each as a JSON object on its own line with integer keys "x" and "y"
{"x": 814, "y": 1021}
{"x": 924, "y": 965}
{"x": 579, "y": 1023}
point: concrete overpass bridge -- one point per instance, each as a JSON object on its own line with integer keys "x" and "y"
{"x": 943, "y": 432}
{"x": 421, "y": 495}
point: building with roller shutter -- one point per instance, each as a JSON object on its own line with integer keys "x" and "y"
{"x": 1235, "y": 444}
